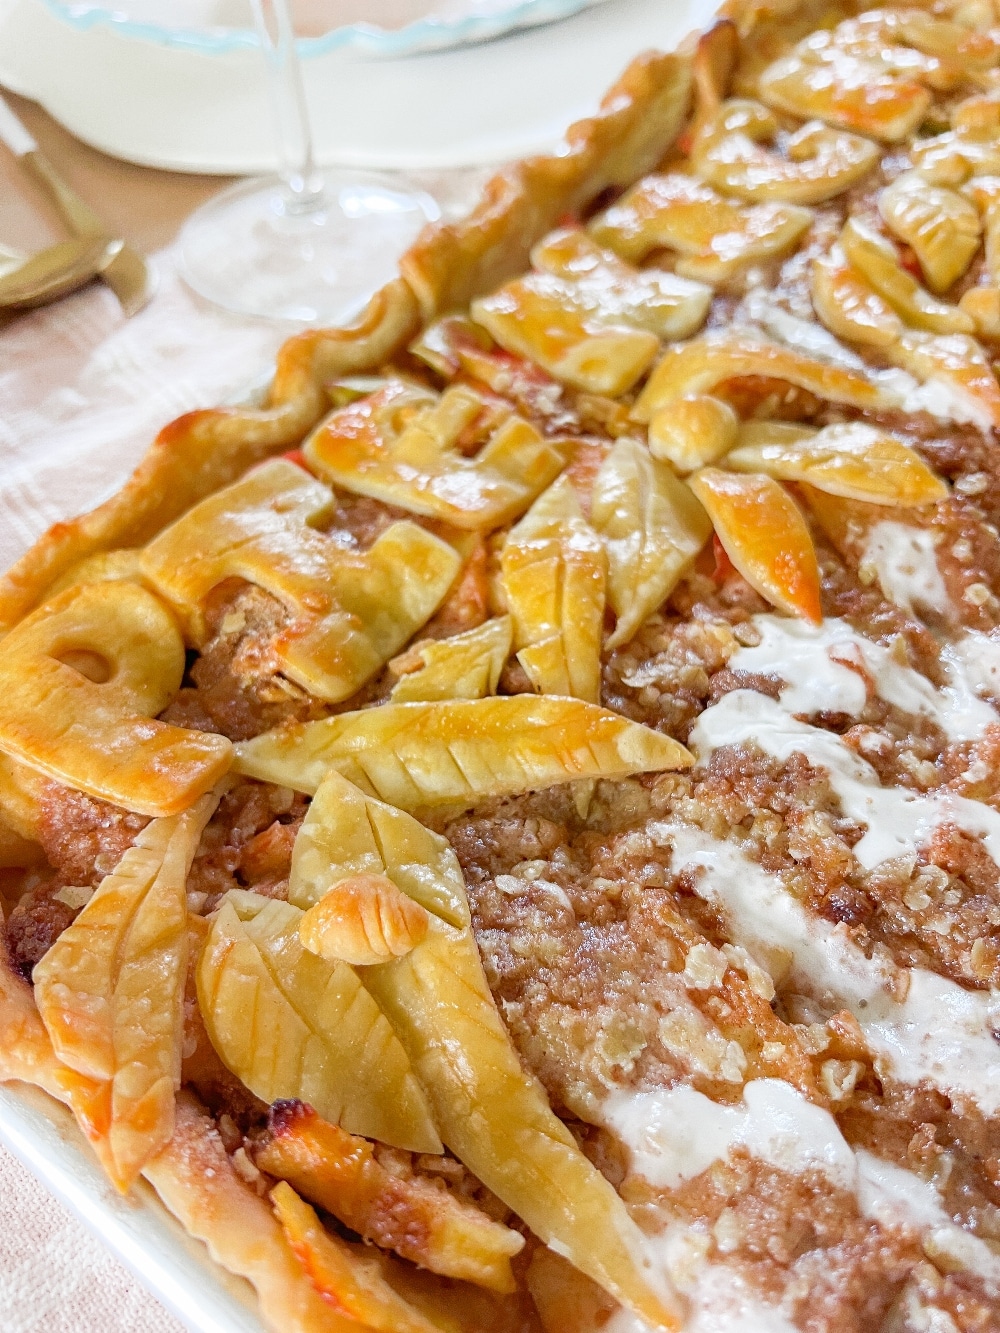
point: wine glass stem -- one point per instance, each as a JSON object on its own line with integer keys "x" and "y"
{"x": 303, "y": 185}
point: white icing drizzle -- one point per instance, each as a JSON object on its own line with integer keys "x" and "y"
{"x": 899, "y": 821}
{"x": 674, "y": 1134}
{"x": 974, "y": 660}
{"x": 905, "y": 563}
{"x": 939, "y": 1032}
{"x": 717, "y": 1297}
{"x": 947, "y": 401}
{"x": 813, "y": 659}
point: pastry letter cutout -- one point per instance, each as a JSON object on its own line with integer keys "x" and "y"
{"x": 81, "y": 680}
{"x": 353, "y": 609}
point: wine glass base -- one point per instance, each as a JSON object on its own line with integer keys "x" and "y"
{"x": 247, "y": 251}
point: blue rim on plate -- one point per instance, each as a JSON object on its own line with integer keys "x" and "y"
{"x": 428, "y": 34}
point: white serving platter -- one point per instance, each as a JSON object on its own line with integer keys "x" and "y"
{"x": 184, "y": 110}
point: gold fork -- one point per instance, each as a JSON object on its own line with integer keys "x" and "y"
{"x": 128, "y": 275}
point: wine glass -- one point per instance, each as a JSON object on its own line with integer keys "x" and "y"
{"x": 305, "y": 245}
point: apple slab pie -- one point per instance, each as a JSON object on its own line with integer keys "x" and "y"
{"x": 505, "y": 834}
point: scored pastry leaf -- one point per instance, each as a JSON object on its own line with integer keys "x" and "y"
{"x": 493, "y": 1116}
{"x": 410, "y": 1214}
{"x": 652, "y": 527}
{"x": 940, "y": 225}
{"x": 553, "y": 568}
{"x": 110, "y": 992}
{"x": 401, "y": 445}
{"x": 422, "y": 754}
{"x": 360, "y": 835}
{"x": 876, "y": 259}
{"x": 467, "y": 666}
{"x": 852, "y": 459}
{"x": 81, "y": 682}
{"x": 352, "y": 609}
{"x": 291, "y": 1025}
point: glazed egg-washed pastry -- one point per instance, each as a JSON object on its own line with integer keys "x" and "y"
{"x": 506, "y": 835}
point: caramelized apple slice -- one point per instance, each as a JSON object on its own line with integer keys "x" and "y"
{"x": 652, "y": 527}
{"x": 401, "y": 446}
{"x": 497, "y": 1120}
{"x": 850, "y": 307}
{"x": 413, "y": 755}
{"x": 290, "y": 1024}
{"x": 81, "y": 680}
{"x": 347, "y": 1277}
{"x": 713, "y": 237}
{"x": 876, "y": 259}
{"x": 693, "y": 431}
{"x": 362, "y": 920}
{"x": 729, "y": 153}
{"x": 764, "y": 536}
{"x": 553, "y": 568}
{"x": 352, "y": 609}
{"x": 588, "y": 318}
{"x": 982, "y": 305}
{"x": 854, "y": 460}
{"x": 111, "y": 990}
{"x": 362, "y": 836}
{"x": 410, "y": 1214}
{"x": 198, "y": 1184}
{"x": 940, "y": 225}
{"x": 467, "y": 666}
{"x": 704, "y": 363}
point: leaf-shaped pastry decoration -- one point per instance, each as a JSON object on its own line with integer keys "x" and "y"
{"x": 344, "y": 1275}
{"x": 850, "y": 307}
{"x": 713, "y": 237}
{"x": 497, "y": 1120}
{"x": 652, "y": 528}
{"x": 730, "y": 153}
{"x": 360, "y": 835}
{"x": 362, "y": 920}
{"x": 693, "y": 431}
{"x": 704, "y": 363}
{"x": 81, "y": 680}
{"x": 407, "y": 1213}
{"x": 554, "y": 568}
{"x": 111, "y": 992}
{"x": 765, "y": 537}
{"x": 855, "y": 460}
{"x": 940, "y": 225}
{"x": 291, "y": 1025}
{"x": 353, "y": 609}
{"x": 876, "y": 259}
{"x": 401, "y": 446}
{"x": 467, "y": 666}
{"x": 413, "y": 755}
{"x": 196, "y": 1180}
{"x": 492, "y": 1115}
{"x": 588, "y": 318}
